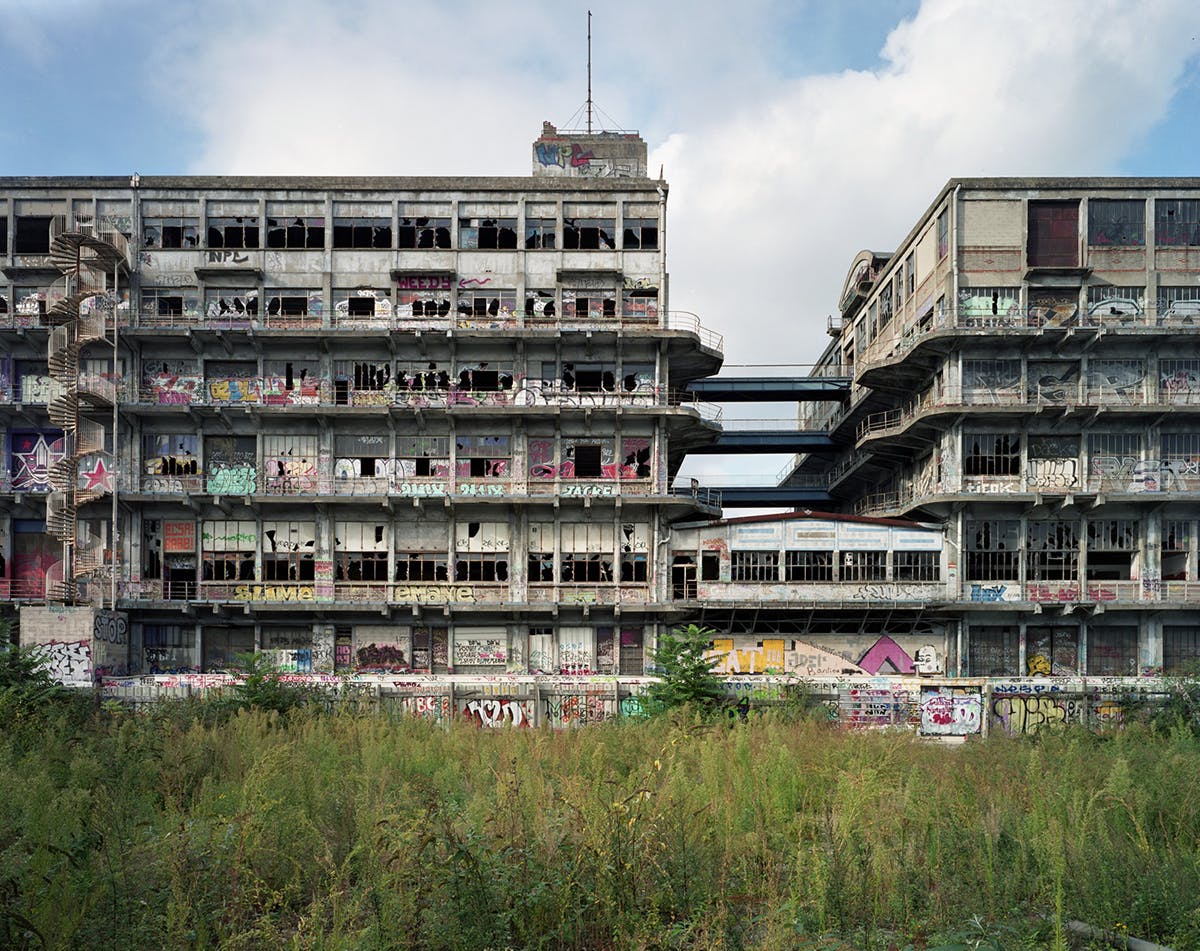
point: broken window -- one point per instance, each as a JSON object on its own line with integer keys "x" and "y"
{"x": 363, "y": 232}
{"x": 540, "y": 233}
{"x": 361, "y": 382}
{"x": 539, "y": 305}
{"x": 32, "y": 234}
{"x": 31, "y": 304}
{"x": 589, "y": 304}
{"x": 588, "y": 458}
{"x": 991, "y": 454}
{"x": 165, "y": 305}
{"x": 294, "y": 302}
{"x": 983, "y": 306}
{"x": 484, "y": 303}
{"x": 640, "y": 233}
{"x": 171, "y": 232}
{"x": 916, "y": 565}
{"x": 482, "y": 457}
{"x": 487, "y": 233}
{"x": 426, "y": 297}
{"x": 234, "y": 231}
{"x": 362, "y": 306}
{"x": 32, "y": 382}
{"x": 1052, "y": 550}
{"x": 1176, "y": 222}
{"x": 423, "y": 457}
{"x": 586, "y": 553}
{"x": 430, "y": 377}
{"x": 1120, "y": 222}
{"x": 288, "y": 549}
{"x": 754, "y": 566}
{"x": 3, "y": 236}
{"x": 910, "y": 275}
{"x": 635, "y": 547}
{"x": 360, "y": 551}
{"x": 808, "y": 566}
{"x": 296, "y": 232}
{"x": 481, "y": 551}
{"x": 639, "y": 303}
{"x": 590, "y": 377}
{"x": 290, "y": 462}
{"x": 540, "y": 537}
{"x": 173, "y": 454}
{"x": 422, "y": 566}
{"x": 360, "y": 457}
{"x": 885, "y": 304}
{"x": 991, "y": 381}
{"x": 1111, "y": 549}
{"x": 424, "y": 227}
{"x": 231, "y": 462}
{"x": 588, "y": 234}
{"x": 227, "y": 549}
{"x": 235, "y": 305}
{"x": 993, "y": 550}
{"x": 1176, "y": 549}
{"x": 863, "y": 565}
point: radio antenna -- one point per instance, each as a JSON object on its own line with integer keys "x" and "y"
{"x": 589, "y": 76}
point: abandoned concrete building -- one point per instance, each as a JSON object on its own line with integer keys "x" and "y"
{"x": 431, "y": 426}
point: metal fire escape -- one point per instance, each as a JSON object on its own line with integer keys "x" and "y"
{"x": 92, "y": 258}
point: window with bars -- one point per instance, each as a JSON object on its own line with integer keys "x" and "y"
{"x": 1113, "y": 460}
{"x": 1179, "y": 380}
{"x": 1176, "y": 222}
{"x": 754, "y": 566}
{"x": 1112, "y": 651}
{"x": 1181, "y": 648}
{"x": 863, "y": 565}
{"x": 991, "y": 381}
{"x": 1175, "y": 549}
{"x": 1116, "y": 379}
{"x": 991, "y": 454}
{"x": 993, "y": 550}
{"x": 916, "y": 565}
{"x": 993, "y": 651}
{"x": 1052, "y": 550}
{"x": 1116, "y": 222}
{"x": 1179, "y": 303}
{"x": 1181, "y": 451}
{"x": 808, "y": 566}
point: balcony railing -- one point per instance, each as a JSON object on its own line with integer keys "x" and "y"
{"x": 687, "y": 321}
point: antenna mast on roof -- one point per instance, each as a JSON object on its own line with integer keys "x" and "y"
{"x": 589, "y": 96}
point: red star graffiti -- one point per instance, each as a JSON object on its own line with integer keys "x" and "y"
{"x": 99, "y": 478}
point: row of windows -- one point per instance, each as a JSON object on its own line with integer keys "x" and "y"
{"x": 806, "y": 566}
{"x": 1111, "y": 457}
{"x": 1050, "y": 550}
{"x": 1110, "y": 650}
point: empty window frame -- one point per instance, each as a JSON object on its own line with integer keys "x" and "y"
{"x": 233, "y": 231}
{"x": 423, "y": 229}
{"x": 863, "y": 565}
{"x": 362, "y": 232}
{"x": 589, "y": 234}
{"x": 991, "y": 454}
{"x": 292, "y": 302}
{"x": 486, "y": 376}
{"x": 916, "y": 566}
{"x": 1052, "y": 550}
{"x": 482, "y": 303}
{"x": 1181, "y": 648}
{"x": 360, "y": 551}
{"x": 422, "y": 566}
{"x": 540, "y": 234}
{"x": 3, "y": 236}
{"x": 754, "y": 566}
{"x": 288, "y": 550}
{"x": 640, "y": 234}
{"x": 428, "y": 378}
{"x": 993, "y": 550}
{"x": 805, "y": 566}
{"x": 32, "y": 234}
{"x": 171, "y": 232}
{"x": 423, "y": 302}
{"x": 1120, "y": 222}
{"x": 1176, "y": 549}
{"x": 587, "y": 551}
{"x": 231, "y": 303}
{"x": 1112, "y": 651}
{"x": 1112, "y": 545}
{"x": 423, "y": 456}
{"x": 298, "y": 232}
{"x": 482, "y": 457}
{"x": 487, "y": 233}
{"x": 1181, "y": 304}
{"x": 589, "y": 377}
{"x": 1177, "y": 223}
{"x": 166, "y": 304}
{"x": 540, "y": 557}
{"x": 588, "y": 460}
{"x": 481, "y": 552}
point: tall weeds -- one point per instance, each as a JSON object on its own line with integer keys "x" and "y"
{"x": 317, "y": 831}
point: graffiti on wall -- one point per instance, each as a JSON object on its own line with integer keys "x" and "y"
{"x": 951, "y": 711}
{"x": 172, "y": 382}
{"x": 497, "y": 712}
{"x": 66, "y": 661}
{"x": 33, "y": 455}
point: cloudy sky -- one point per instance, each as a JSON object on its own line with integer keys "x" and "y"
{"x": 792, "y": 134}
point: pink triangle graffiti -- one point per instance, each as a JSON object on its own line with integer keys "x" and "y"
{"x": 886, "y": 651}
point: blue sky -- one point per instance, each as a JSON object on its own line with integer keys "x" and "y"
{"x": 793, "y": 133}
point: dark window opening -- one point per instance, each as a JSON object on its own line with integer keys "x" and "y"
{"x": 710, "y": 566}
{"x": 424, "y": 233}
{"x": 296, "y": 233}
{"x": 288, "y": 568}
{"x": 288, "y": 306}
{"x": 808, "y": 566}
{"x": 362, "y": 233}
{"x": 483, "y": 566}
{"x": 541, "y": 566}
{"x": 588, "y": 234}
{"x": 540, "y": 233}
{"x": 1053, "y": 234}
{"x": 360, "y": 566}
{"x": 421, "y": 566}
{"x": 361, "y": 306}
{"x": 235, "y": 232}
{"x": 588, "y": 462}
{"x": 640, "y": 233}
{"x": 634, "y": 568}
{"x": 32, "y": 235}
{"x": 586, "y": 568}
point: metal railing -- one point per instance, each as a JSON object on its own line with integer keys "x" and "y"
{"x": 687, "y": 321}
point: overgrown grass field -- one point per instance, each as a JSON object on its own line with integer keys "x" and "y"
{"x": 251, "y": 830}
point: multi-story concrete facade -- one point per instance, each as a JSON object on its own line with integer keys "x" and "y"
{"x": 1026, "y": 375}
{"x": 370, "y": 424}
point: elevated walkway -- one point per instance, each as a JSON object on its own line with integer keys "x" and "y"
{"x": 766, "y": 440}
{"x": 771, "y": 389}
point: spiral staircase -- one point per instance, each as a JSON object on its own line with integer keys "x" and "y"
{"x": 92, "y": 259}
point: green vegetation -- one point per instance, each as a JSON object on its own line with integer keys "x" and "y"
{"x": 687, "y": 674}
{"x": 171, "y": 828}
